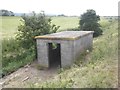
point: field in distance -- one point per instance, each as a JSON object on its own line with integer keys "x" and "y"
{"x": 10, "y": 25}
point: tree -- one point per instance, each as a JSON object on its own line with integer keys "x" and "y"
{"x": 11, "y": 13}
{"x": 89, "y": 22}
{"x": 34, "y": 25}
{"x": 6, "y": 13}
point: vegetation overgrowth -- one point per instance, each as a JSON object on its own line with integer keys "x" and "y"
{"x": 94, "y": 69}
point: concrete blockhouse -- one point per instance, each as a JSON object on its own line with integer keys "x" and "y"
{"x": 62, "y": 48}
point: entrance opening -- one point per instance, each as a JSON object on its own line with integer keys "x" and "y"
{"x": 54, "y": 55}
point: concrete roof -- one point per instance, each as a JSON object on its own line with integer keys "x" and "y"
{"x": 65, "y": 35}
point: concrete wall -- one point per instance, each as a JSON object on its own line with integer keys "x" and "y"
{"x": 70, "y": 49}
{"x": 66, "y": 52}
{"x": 82, "y": 44}
{"x": 42, "y": 53}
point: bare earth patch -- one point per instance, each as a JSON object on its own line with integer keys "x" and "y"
{"x": 26, "y": 76}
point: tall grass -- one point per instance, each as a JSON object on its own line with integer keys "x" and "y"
{"x": 13, "y": 56}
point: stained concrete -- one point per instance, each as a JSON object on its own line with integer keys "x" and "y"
{"x": 72, "y": 44}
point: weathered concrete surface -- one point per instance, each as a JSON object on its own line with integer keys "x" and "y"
{"x": 65, "y": 35}
{"x": 42, "y": 53}
{"x": 82, "y": 44}
{"x": 72, "y": 43}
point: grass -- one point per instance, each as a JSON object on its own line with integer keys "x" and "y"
{"x": 13, "y": 56}
{"x": 66, "y": 22}
{"x": 100, "y": 70}
{"x": 9, "y": 26}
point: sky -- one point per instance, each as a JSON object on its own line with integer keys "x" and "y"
{"x": 67, "y": 7}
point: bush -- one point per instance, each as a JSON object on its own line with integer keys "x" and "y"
{"x": 89, "y": 22}
{"x": 22, "y": 50}
{"x": 34, "y": 25}
{"x": 9, "y": 49}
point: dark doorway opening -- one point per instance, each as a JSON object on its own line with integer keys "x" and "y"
{"x": 54, "y": 55}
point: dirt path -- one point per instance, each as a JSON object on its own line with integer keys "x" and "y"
{"x": 26, "y": 76}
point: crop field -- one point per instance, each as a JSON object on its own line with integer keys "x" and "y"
{"x": 66, "y": 22}
{"x": 10, "y": 24}
{"x": 100, "y": 68}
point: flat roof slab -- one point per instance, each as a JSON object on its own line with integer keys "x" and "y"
{"x": 65, "y": 35}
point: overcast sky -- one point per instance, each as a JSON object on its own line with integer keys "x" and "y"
{"x": 67, "y": 7}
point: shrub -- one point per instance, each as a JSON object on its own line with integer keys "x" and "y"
{"x": 89, "y": 22}
{"x": 20, "y": 51}
{"x": 34, "y": 25}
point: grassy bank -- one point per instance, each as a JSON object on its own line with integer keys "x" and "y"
{"x": 14, "y": 57}
{"x": 100, "y": 69}
{"x": 94, "y": 69}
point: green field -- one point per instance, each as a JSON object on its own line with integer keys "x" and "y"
{"x": 66, "y": 22}
{"x": 100, "y": 68}
{"x": 9, "y": 26}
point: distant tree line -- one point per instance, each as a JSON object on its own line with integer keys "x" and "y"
{"x": 6, "y": 13}
{"x": 62, "y": 15}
